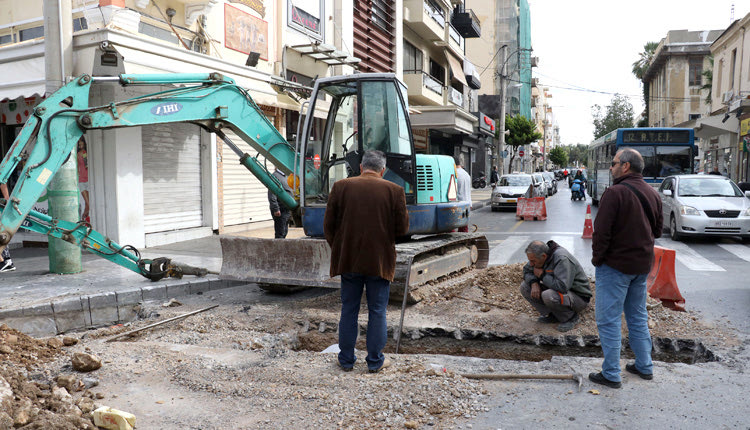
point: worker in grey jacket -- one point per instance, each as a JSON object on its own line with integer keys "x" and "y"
{"x": 555, "y": 283}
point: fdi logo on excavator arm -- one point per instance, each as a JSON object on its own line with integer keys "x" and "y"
{"x": 166, "y": 109}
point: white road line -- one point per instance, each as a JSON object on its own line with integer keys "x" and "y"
{"x": 689, "y": 258}
{"x": 740, "y": 251}
{"x": 526, "y": 233}
{"x": 566, "y": 242}
{"x": 502, "y": 253}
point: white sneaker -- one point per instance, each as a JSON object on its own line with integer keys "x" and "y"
{"x": 7, "y": 266}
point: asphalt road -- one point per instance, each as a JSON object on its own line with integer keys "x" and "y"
{"x": 711, "y": 275}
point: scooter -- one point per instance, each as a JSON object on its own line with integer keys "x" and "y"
{"x": 480, "y": 181}
{"x": 576, "y": 190}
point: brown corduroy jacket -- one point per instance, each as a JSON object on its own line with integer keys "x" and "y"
{"x": 363, "y": 217}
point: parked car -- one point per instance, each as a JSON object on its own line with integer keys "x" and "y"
{"x": 513, "y": 186}
{"x": 697, "y": 205}
{"x": 539, "y": 178}
{"x": 549, "y": 178}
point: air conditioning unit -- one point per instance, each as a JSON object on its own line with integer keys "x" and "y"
{"x": 534, "y": 61}
{"x": 727, "y": 96}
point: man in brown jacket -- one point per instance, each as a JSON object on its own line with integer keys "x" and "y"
{"x": 363, "y": 217}
{"x": 629, "y": 219}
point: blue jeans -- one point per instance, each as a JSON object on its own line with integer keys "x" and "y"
{"x": 377, "y": 290}
{"x": 617, "y": 292}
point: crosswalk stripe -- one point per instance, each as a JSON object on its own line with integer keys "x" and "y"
{"x": 740, "y": 251}
{"x": 502, "y": 253}
{"x": 689, "y": 258}
{"x": 566, "y": 242}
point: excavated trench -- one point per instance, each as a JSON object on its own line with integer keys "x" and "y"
{"x": 508, "y": 346}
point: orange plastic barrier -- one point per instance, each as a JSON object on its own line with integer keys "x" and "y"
{"x": 531, "y": 209}
{"x": 661, "y": 281}
{"x": 588, "y": 227}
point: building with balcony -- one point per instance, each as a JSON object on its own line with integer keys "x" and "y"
{"x": 441, "y": 82}
{"x": 164, "y": 183}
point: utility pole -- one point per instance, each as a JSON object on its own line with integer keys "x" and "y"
{"x": 503, "y": 90}
{"x": 62, "y": 190}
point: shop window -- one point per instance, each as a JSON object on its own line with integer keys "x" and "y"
{"x": 307, "y": 20}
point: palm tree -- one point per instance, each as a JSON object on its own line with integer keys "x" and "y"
{"x": 639, "y": 69}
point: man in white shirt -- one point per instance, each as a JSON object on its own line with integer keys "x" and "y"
{"x": 463, "y": 181}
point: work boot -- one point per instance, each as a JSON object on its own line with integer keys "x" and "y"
{"x": 632, "y": 369}
{"x": 547, "y": 319}
{"x": 569, "y": 324}
{"x": 598, "y": 378}
{"x": 386, "y": 363}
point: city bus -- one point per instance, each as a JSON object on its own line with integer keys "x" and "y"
{"x": 665, "y": 151}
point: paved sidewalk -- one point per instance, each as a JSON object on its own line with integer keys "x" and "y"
{"x": 39, "y": 303}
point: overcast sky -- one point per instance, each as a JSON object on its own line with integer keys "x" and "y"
{"x": 586, "y": 49}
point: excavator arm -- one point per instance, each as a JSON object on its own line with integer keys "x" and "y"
{"x": 211, "y": 101}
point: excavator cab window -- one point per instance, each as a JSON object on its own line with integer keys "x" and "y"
{"x": 362, "y": 115}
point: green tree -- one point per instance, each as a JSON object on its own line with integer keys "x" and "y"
{"x": 619, "y": 114}
{"x": 708, "y": 74}
{"x": 522, "y": 131}
{"x": 578, "y": 154}
{"x": 558, "y": 156}
{"x": 639, "y": 69}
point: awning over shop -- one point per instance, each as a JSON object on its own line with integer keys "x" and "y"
{"x": 456, "y": 69}
{"x": 713, "y": 126}
{"x": 22, "y": 71}
{"x": 327, "y": 54}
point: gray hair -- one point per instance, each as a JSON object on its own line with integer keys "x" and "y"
{"x": 373, "y": 160}
{"x": 537, "y": 248}
{"x": 630, "y": 155}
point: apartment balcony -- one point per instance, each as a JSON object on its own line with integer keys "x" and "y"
{"x": 423, "y": 89}
{"x": 455, "y": 41}
{"x": 426, "y": 21}
{"x": 455, "y": 97}
{"x": 466, "y": 23}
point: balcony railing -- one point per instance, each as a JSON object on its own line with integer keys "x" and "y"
{"x": 435, "y": 13}
{"x": 456, "y": 97}
{"x": 466, "y": 22}
{"x": 432, "y": 84}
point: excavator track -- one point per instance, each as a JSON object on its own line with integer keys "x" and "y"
{"x": 289, "y": 265}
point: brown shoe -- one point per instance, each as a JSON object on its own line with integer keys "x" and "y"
{"x": 386, "y": 363}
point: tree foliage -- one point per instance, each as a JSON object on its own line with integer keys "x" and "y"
{"x": 619, "y": 114}
{"x": 578, "y": 154}
{"x": 708, "y": 76}
{"x": 639, "y": 69}
{"x": 559, "y": 156}
{"x": 522, "y": 131}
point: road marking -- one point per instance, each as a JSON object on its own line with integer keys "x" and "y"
{"x": 740, "y": 251}
{"x": 516, "y": 226}
{"x": 545, "y": 233}
{"x": 566, "y": 242}
{"x": 690, "y": 258}
{"x": 502, "y": 253}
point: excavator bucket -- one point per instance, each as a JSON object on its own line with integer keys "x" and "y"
{"x": 277, "y": 265}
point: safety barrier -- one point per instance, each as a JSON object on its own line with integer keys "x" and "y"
{"x": 531, "y": 209}
{"x": 588, "y": 227}
{"x": 661, "y": 281}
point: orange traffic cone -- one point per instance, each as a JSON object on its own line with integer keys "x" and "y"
{"x": 588, "y": 228}
{"x": 661, "y": 281}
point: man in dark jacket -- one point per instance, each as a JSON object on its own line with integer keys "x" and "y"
{"x": 363, "y": 217}
{"x": 555, "y": 284}
{"x": 629, "y": 219}
{"x": 279, "y": 211}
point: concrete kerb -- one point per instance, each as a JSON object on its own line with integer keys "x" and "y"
{"x": 112, "y": 307}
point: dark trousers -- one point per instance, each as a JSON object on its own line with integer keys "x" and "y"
{"x": 562, "y": 306}
{"x": 281, "y": 225}
{"x": 377, "y": 290}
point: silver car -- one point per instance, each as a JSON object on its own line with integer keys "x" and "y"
{"x": 513, "y": 186}
{"x": 696, "y": 205}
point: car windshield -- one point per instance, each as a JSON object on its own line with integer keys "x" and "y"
{"x": 548, "y": 175}
{"x": 515, "y": 181}
{"x": 704, "y": 187}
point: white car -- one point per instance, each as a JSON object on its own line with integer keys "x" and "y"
{"x": 710, "y": 205}
{"x": 511, "y": 187}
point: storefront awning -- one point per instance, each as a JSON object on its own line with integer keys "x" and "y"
{"x": 327, "y": 54}
{"x": 456, "y": 69}
{"x": 713, "y": 126}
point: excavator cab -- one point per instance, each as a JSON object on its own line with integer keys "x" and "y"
{"x": 362, "y": 112}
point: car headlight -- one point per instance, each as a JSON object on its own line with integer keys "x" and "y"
{"x": 689, "y": 210}
{"x": 747, "y": 212}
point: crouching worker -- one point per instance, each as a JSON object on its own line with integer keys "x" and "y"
{"x": 555, "y": 284}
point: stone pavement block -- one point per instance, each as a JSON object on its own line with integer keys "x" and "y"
{"x": 10, "y": 313}
{"x": 216, "y": 284}
{"x": 199, "y": 286}
{"x": 69, "y": 314}
{"x": 129, "y": 297}
{"x": 44, "y": 309}
{"x": 154, "y": 292}
{"x": 35, "y": 326}
{"x": 178, "y": 290}
{"x": 103, "y": 308}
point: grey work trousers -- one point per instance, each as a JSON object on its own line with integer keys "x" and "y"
{"x": 562, "y": 306}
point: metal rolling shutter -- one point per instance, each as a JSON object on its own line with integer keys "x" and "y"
{"x": 171, "y": 177}
{"x": 245, "y": 197}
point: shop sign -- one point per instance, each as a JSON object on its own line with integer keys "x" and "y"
{"x": 305, "y": 19}
{"x": 745, "y": 127}
{"x": 244, "y": 32}
{"x": 256, "y": 5}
